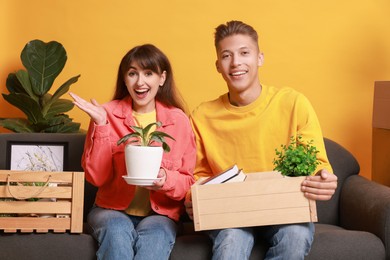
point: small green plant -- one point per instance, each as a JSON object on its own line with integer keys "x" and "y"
{"x": 296, "y": 159}
{"x": 28, "y": 91}
{"x": 144, "y": 138}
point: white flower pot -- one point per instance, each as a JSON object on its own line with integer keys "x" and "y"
{"x": 143, "y": 161}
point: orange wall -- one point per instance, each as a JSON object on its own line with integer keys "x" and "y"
{"x": 331, "y": 51}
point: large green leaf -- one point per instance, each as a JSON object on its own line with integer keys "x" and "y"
{"x": 24, "y": 80}
{"x": 18, "y": 125}
{"x": 69, "y": 127}
{"x": 13, "y": 84}
{"x": 26, "y": 104}
{"x": 59, "y": 107}
{"x": 44, "y": 62}
{"x": 60, "y": 91}
{"x": 48, "y": 123}
{"x": 62, "y": 124}
{"x": 65, "y": 87}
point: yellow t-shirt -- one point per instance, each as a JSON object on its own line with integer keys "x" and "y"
{"x": 248, "y": 135}
{"x": 140, "y": 205}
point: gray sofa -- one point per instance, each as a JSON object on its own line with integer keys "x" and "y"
{"x": 355, "y": 224}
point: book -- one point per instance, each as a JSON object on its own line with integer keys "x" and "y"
{"x": 241, "y": 176}
{"x": 232, "y": 174}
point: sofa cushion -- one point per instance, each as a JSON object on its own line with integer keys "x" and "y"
{"x": 58, "y": 246}
{"x": 345, "y": 244}
{"x": 356, "y": 245}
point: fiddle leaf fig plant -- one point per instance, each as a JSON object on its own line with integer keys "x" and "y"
{"x": 144, "y": 138}
{"x": 28, "y": 91}
{"x": 296, "y": 159}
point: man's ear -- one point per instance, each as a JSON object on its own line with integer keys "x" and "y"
{"x": 260, "y": 61}
{"x": 217, "y": 66}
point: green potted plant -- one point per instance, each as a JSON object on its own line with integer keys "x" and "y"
{"x": 28, "y": 91}
{"x": 296, "y": 159}
{"x": 142, "y": 156}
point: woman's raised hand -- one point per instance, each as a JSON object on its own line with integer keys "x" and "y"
{"x": 97, "y": 113}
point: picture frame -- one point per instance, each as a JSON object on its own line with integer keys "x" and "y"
{"x": 37, "y": 156}
{"x": 72, "y": 143}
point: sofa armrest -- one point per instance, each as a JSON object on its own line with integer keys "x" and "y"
{"x": 365, "y": 206}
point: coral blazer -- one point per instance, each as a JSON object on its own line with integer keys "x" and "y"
{"x": 104, "y": 163}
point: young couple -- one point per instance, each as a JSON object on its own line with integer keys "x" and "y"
{"x": 131, "y": 222}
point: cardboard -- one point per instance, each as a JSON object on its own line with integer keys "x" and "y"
{"x": 262, "y": 199}
{"x": 381, "y": 133}
{"x": 381, "y": 156}
{"x": 381, "y": 111}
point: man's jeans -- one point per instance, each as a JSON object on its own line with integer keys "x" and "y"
{"x": 121, "y": 236}
{"x": 290, "y": 242}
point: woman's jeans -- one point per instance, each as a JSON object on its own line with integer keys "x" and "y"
{"x": 121, "y": 236}
{"x": 286, "y": 242}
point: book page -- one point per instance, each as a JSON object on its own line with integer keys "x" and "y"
{"x": 240, "y": 177}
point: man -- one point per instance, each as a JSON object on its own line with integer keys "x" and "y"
{"x": 245, "y": 126}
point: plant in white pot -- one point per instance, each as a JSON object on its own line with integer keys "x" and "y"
{"x": 143, "y": 158}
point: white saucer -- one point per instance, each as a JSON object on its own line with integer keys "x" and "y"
{"x": 140, "y": 181}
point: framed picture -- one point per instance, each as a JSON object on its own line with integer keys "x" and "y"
{"x": 36, "y": 156}
{"x": 46, "y": 150}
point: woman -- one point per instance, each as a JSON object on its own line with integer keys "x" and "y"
{"x": 133, "y": 222}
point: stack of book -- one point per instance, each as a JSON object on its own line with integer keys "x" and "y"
{"x": 233, "y": 174}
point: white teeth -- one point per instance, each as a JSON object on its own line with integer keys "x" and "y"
{"x": 141, "y": 91}
{"x": 238, "y": 73}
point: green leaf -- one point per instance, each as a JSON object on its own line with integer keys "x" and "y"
{"x": 70, "y": 127}
{"x": 13, "y": 84}
{"x": 137, "y": 129}
{"x": 145, "y": 139}
{"x": 166, "y": 147}
{"x": 65, "y": 87}
{"x": 296, "y": 159}
{"x": 54, "y": 99}
{"x": 54, "y": 124}
{"x": 145, "y": 131}
{"x": 44, "y": 62}
{"x": 18, "y": 125}
{"x": 24, "y": 80}
{"x": 59, "y": 107}
{"x": 127, "y": 137}
{"x": 26, "y": 104}
{"x": 158, "y": 133}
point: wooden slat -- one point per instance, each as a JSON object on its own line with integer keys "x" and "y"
{"x": 263, "y": 202}
{"x": 25, "y": 223}
{"x": 77, "y": 202}
{"x": 38, "y": 207}
{"x": 313, "y": 211}
{"x": 27, "y": 230}
{"x": 254, "y": 218}
{"x": 26, "y": 191}
{"x": 28, "y": 176}
{"x": 251, "y": 188}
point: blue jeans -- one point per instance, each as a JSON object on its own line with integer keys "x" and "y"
{"x": 290, "y": 242}
{"x": 121, "y": 236}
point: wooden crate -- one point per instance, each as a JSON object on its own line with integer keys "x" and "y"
{"x": 262, "y": 199}
{"x": 64, "y": 201}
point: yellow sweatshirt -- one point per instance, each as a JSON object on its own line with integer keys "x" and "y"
{"x": 248, "y": 135}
